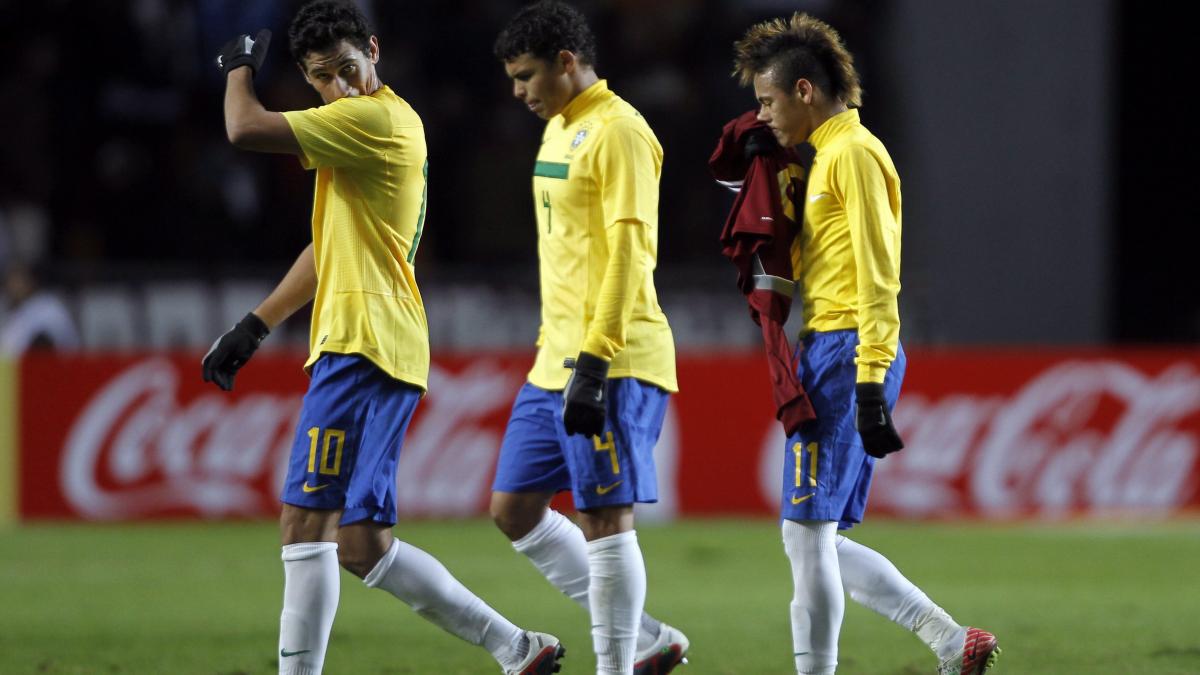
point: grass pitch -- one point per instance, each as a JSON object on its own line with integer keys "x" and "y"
{"x": 205, "y": 599}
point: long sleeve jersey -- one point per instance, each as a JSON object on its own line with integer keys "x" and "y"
{"x": 847, "y": 257}
{"x": 595, "y": 191}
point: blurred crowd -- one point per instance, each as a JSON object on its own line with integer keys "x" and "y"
{"x": 115, "y": 173}
{"x": 116, "y": 168}
{"x": 115, "y": 149}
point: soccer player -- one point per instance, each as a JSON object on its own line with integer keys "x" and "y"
{"x": 369, "y": 342}
{"x": 592, "y": 429}
{"x": 847, "y": 263}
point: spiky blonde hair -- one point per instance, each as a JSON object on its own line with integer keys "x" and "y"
{"x": 798, "y": 47}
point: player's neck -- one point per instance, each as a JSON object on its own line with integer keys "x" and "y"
{"x": 373, "y": 83}
{"x": 581, "y": 79}
{"x": 820, "y": 114}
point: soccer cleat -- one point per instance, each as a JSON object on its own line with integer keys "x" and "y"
{"x": 660, "y": 658}
{"x": 979, "y": 653}
{"x": 543, "y": 656}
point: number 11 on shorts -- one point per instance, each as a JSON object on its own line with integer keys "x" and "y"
{"x": 798, "y": 449}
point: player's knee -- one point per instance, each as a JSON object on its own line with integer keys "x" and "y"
{"x": 606, "y": 521}
{"x": 362, "y": 545}
{"x": 357, "y": 561}
{"x": 299, "y": 525}
{"x": 803, "y": 539}
{"x": 510, "y": 522}
{"x": 513, "y": 522}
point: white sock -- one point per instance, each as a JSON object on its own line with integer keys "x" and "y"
{"x": 557, "y": 548}
{"x": 874, "y": 582}
{"x": 617, "y": 590}
{"x": 423, "y": 583}
{"x": 310, "y": 598}
{"x": 818, "y": 603}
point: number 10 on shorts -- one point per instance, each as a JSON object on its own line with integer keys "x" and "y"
{"x": 331, "y": 460}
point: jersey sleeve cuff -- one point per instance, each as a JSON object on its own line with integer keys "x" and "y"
{"x": 871, "y": 372}
{"x": 601, "y": 346}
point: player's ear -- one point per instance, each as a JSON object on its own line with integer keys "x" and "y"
{"x": 568, "y": 61}
{"x": 805, "y": 90}
{"x": 373, "y": 49}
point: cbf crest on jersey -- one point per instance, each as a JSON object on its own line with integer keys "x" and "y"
{"x": 580, "y": 137}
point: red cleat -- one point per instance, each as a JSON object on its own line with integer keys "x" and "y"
{"x": 979, "y": 653}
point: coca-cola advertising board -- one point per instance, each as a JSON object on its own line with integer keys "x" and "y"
{"x": 990, "y": 434}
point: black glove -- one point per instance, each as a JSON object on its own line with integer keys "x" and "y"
{"x": 232, "y": 350}
{"x": 759, "y": 143}
{"x": 243, "y": 51}
{"x": 874, "y": 422}
{"x": 585, "y": 400}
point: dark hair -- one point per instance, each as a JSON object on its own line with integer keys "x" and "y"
{"x": 795, "y": 48}
{"x": 545, "y": 28}
{"x": 320, "y": 25}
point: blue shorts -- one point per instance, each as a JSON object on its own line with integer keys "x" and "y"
{"x": 348, "y": 441}
{"x": 826, "y": 472}
{"x": 614, "y": 468}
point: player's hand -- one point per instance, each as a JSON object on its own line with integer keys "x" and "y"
{"x": 232, "y": 350}
{"x": 759, "y": 143}
{"x": 585, "y": 400}
{"x": 244, "y": 51}
{"x": 874, "y": 422}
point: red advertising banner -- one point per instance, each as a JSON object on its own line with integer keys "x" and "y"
{"x": 993, "y": 434}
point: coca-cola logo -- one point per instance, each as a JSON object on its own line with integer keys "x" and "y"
{"x": 1081, "y": 436}
{"x": 136, "y": 449}
{"x": 449, "y": 455}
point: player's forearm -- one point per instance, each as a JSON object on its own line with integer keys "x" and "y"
{"x": 249, "y": 125}
{"x": 878, "y": 308}
{"x": 875, "y": 242}
{"x": 627, "y": 251}
{"x": 297, "y": 288}
{"x": 878, "y": 339}
{"x": 241, "y": 105}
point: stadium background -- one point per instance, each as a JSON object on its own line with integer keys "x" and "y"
{"x": 1053, "y": 403}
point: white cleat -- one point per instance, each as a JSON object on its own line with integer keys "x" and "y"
{"x": 660, "y": 658}
{"x": 542, "y": 659}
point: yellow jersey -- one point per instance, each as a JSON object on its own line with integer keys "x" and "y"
{"x": 595, "y": 191}
{"x": 847, "y": 256}
{"x": 368, "y": 212}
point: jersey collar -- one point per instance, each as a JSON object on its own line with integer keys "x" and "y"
{"x": 584, "y": 100}
{"x": 833, "y": 127}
